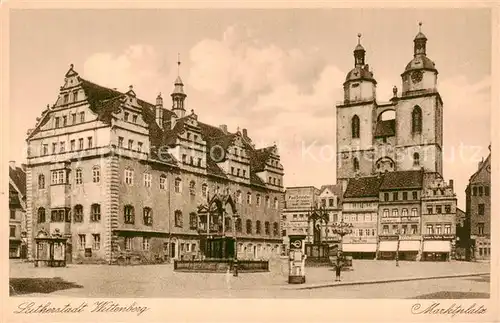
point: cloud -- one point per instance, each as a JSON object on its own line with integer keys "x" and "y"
{"x": 139, "y": 65}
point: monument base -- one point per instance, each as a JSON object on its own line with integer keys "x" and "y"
{"x": 296, "y": 279}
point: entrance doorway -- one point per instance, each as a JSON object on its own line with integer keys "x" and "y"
{"x": 172, "y": 250}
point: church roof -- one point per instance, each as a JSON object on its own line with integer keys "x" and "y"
{"x": 410, "y": 179}
{"x": 420, "y": 62}
{"x": 385, "y": 128}
{"x": 360, "y": 73}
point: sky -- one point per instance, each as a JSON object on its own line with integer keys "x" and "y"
{"x": 276, "y": 72}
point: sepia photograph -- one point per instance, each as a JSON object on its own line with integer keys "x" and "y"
{"x": 249, "y": 153}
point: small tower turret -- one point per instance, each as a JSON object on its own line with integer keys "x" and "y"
{"x": 178, "y": 95}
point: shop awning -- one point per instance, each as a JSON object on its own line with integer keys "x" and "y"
{"x": 437, "y": 246}
{"x": 388, "y": 246}
{"x": 359, "y": 247}
{"x": 410, "y": 245}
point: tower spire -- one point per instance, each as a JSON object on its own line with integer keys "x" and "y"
{"x": 359, "y": 53}
{"x": 419, "y": 42}
{"x": 178, "y": 95}
{"x": 178, "y": 63}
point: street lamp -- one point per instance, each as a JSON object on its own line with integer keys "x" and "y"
{"x": 235, "y": 259}
{"x": 397, "y": 248}
{"x": 342, "y": 228}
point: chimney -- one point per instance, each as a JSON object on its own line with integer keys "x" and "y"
{"x": 223, "y": 127}
{"x": 451, "y": 184}
{"x": 12, "y": 164}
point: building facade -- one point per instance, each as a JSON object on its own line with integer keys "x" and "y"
{"x": 399, "y": 142}
{"x": 17, "y": 210}
{"x": 129, "y": 181}
{"x": 478, "y": 211}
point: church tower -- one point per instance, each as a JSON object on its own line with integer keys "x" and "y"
{"x": 355, "y": 117}
{"x": 178, "y": 95}
{"x": 419, "y": 113}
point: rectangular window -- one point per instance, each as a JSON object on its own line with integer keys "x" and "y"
{"x": 78, "y": 176}
{"x": 386, "y": 197}
{"x": 130, "y": 144}
{"x": 75, "y": 96}
{"x": 480, "y": 209}
{"x": 13, "y": 214}
{"x": 447, "y": 208}
{"x": 486, "y": 191}
{"x": 73, "y": 118}
{"x": 245, "y": 174}
{"x": 395, "y": 196}
{"x": 12, "y": 231}
{"x": 147, "y": 180}
{"x": 125, "y": 116}
{"x": 385, "y": 229}
{"x": 139, "y": 146}
{"x": 404, "y": 212}
{"x": 177, "y": 185}
{"x": 480, "y": 191}
{"x": 386, "y": 213}
{"x": 57, "y": 122}
{"x": 129, "y": 243}
{"x": 480, "y": 228}
{"x": 134, "y": 118}
{"x": 184, "y": 158}
{"x": 81, "y": 241}
{"x": 414, "y": 212}
{"x": 439, "y": 209}
{"x": 429, "y": 210}
{"x": 96, "y": 243}
{"x": 62, "y": 146}
{"x": 330, "y": 202}
{"x": 413, "y": 229}
{"x": 323, "y": 202}
{"x": 232, "y": 170}
{"x": 429, "y": 229}
{"x": 394, "y": 212}
{"x": 72, "y": 145}
{"x": 404, "y": 229}
{"x": 82, "y": 117}
{"x": 65, "y": 121}
{"x": 90, "y": 143}
{"x": 415, "y": 195}
{"x": 405, "y": 196}
{"x": 129, "y": 177}
{"x": 120, "y": 142}
{"x": 95, "y": 213}
{"x": 438, "y": 229}
{"x": 54, "y": 147}
{"x": 45, "y": 150}
{"x": 147, "y": 216}
{"x": 395, "y": 229}
{"x": 474, "y": 191}
{"x": 447, "y": 229}
{"x": 80, "y": 144}
{"x": 163, "y": 182}
{"x": 258, "y": 200}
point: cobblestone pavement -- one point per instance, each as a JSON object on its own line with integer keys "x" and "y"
{"x": 162, "y": 281}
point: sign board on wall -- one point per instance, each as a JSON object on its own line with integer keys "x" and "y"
{"x": 300, "y": 197}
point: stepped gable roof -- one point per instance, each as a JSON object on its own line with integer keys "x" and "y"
{"x": 485, "y": 163}
{"x": 363, "y": 187}
{"x": 385, "y": 128}
{"x": 410, "y": 179}
{"x": 18, "y": 176}
{"x": 259, "y": 157}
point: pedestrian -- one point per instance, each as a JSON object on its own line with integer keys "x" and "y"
{"x": 338, "y": 269}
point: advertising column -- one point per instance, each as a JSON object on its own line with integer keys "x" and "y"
{"x": 297, "y": 260}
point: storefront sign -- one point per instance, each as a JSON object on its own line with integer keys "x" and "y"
{"x": 299, "y": 198}
{"x": 387, "y": 237}
{"x": 438, "y": 236}
{"x": 400, "y": 219}
{"x": 296, "y": 242}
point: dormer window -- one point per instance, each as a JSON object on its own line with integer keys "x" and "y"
{"x": 57, "y": 122}
{"x": 134, "y": 118}
{"x": 66, "y": 98}
{"x": 75, "y": 96}
{"x": 125, "y": 116}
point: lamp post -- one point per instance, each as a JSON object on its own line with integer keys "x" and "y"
{"x": 397, "y": 248}
{"x": 342, "y": 228}
{"x": 235, "y": 259}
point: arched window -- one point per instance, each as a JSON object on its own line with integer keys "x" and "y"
{"x": 95, "y": 213}
{"x": 416, "y": 159}
{"x": 257, "y": 227}
{"x": 128, "y": 212}
{"x": 228, "y": 224}
{"x": 276, "y": 204}
{"x": 147, "y": 216}
{"x": 41, "y": 181}
{"x": 416, "y": 120}
{"x": 355, "y": 126}
{"x": 249, "y": 198}
{"x": 78, "y": 213}
{"x": 249, "y": 226}
{"x": 41, "y": 215}
{"x": 355, "y": 163}
{"x": 192, "y": 188}
{"x": 96, "y": 174}
{"x": 163, "y": 182}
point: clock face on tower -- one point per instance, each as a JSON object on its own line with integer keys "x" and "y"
{"x": 416, "y": 76}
